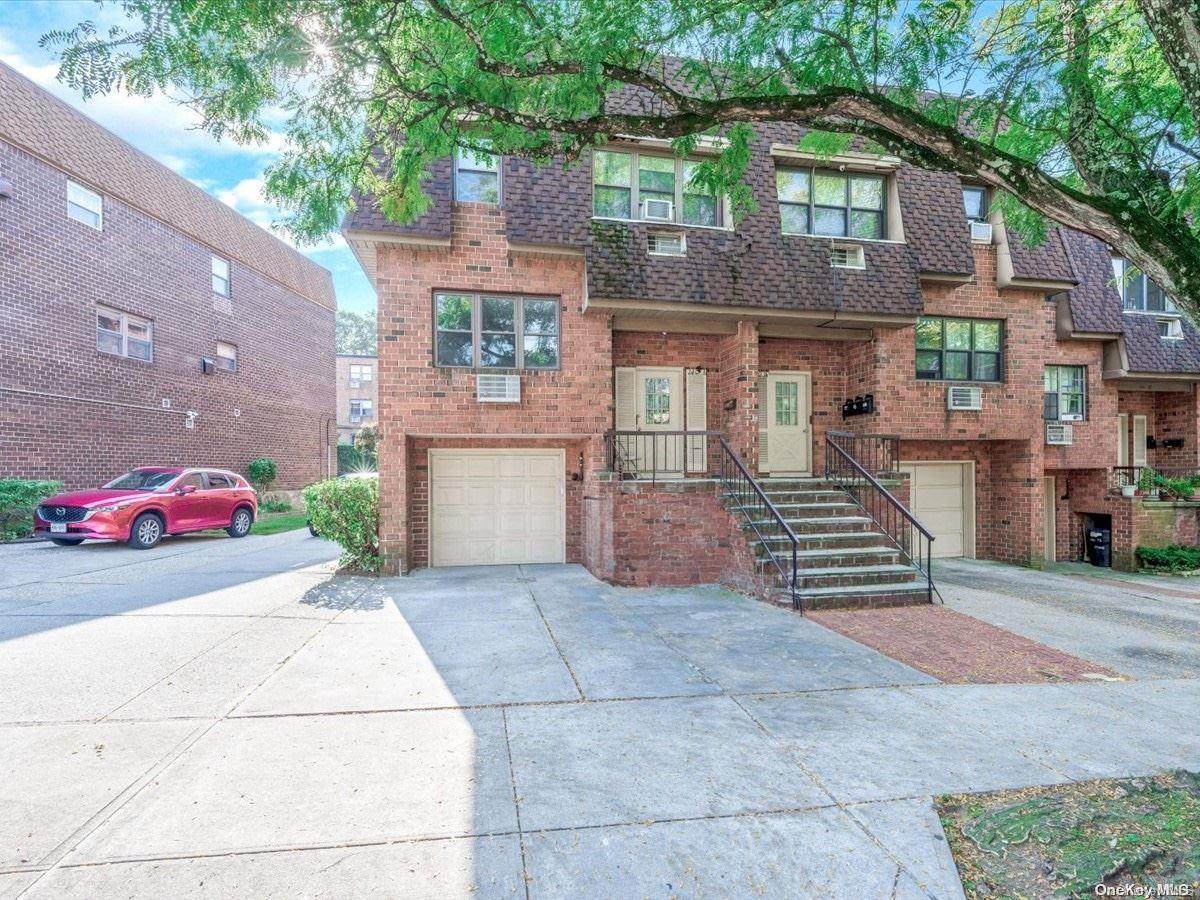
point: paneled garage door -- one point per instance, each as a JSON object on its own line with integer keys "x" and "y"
{"x": 496, "y": 507}
{"x": 943, "y": 498}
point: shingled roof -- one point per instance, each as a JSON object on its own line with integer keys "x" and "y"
{"x": 41, "y": 125}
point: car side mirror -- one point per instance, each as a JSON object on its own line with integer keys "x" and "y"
{"x": 185, "y": 489}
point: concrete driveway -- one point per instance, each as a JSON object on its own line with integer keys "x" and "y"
{"x": 228, "y": 718}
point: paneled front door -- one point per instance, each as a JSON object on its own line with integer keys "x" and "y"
{"x": 660, "y": 408}
{"x": 789, "y": 437}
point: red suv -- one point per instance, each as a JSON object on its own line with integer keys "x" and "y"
{"x": 145, "y": 504}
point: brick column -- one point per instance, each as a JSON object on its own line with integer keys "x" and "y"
{"x": 1018, "y": 496}
{"x": 393, "y": 500}
{"x": 739, "y": 383}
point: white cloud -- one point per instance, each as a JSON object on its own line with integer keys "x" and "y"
{"x": 248, "y": 198}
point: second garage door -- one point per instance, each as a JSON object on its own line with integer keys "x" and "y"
{"x": 496, "y": 507}
{"x": 943, "y": 499}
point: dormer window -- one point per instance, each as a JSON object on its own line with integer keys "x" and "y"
{"x": 651, "y": 187}
{"x": 830, "y": 204}
{"x": 975, "y": 202}
{"x": 1139, "y": 293}
{"x": 476, "y": 177}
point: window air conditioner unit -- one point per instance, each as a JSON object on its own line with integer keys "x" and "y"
{"x": 1059, "y": 433}
{"x": 667, "y": 243}
{"x": 1071, "y": 417}
{"x": 658, "y": 210}
{"x": 960, "y": 397}
{"x": 847, "y": 257}
{"x": 981, "y": 232}
{"x": 498, "y": 388}
{"x": 354, "y": 382}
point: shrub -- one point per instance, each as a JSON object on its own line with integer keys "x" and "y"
{"x": 351, "y": 459}
{"x": 1170, "y": 559}
{"x": 261, "y": 473}
{"x": 346, "y": 510}
{"x": 367, "y": 440}
{"x": 18, "y": 497}
{"x": 274, "y": 505}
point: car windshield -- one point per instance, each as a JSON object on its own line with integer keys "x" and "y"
{"x": 142, "y": 480}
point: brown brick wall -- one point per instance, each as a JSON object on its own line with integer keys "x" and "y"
{"x": 70, "y": 412}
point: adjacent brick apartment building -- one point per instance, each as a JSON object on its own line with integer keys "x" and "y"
{"x": 999, "y": 388}
{"x": 141, "y": 320}
{"x": 357, "y": 394}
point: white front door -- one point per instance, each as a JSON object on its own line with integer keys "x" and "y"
{"x": 496, "y": 506}
{"x": 660, "y": 408}
{"x": 789, "y": 449}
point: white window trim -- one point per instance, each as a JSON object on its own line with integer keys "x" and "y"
{"x": 477, "y": 331}
{"x": 125, "y": 318}
{"x": 227, "y": 278}
{"x": 368, "y": 413}
{"x": 367, "y": 367}
{"x": 85, "y": 193}
{"x": 635, "y": 204}
{"x": 812, "y": 205}
{"x": 1083, "y": 393}
{"x": 479, "y": 170}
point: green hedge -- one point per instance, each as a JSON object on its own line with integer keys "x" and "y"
{"x": 351, "y": 459}
{"x": 18, "y": 497}
{"x": 346, "y": 510}
{"x": 1169, "y": 559}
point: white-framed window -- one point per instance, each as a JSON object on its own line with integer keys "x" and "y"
{"x": 638, "y": 185}
{"x": 85, "y": 206}
{"x": 975, "y": 202}
{"x": 831, "y": 204}
{"x": 1065, "y": 397}
{"x": 361, "y": 409}
{"x": 1170, "y": 329}
{"x": 476, "y": 177}
{"x": 220, "y": 276}
{"x": 122, "y": 334}
{"x": 1139, "y": 293}
{"x": 361, "y": 372}
{"x": 495, "y": 332}
{"x": 227, "y": 356}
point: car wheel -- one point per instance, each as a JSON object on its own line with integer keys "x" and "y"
{"x": 66, "y": 542}
{"x": 146, "y": 532}
{"x": 240, "y": 525}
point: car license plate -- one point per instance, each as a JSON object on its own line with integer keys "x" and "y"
{"x": 58, "y": 527}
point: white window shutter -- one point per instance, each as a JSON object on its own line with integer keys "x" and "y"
{"x": 1139, "y": 440}
{"x": 625, "y": 379}
{"x": 1122, "y": 439}
{"x": 697, "y": 420}
{"x": 764, "y": 407}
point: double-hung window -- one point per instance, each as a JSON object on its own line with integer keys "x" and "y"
{"x": 830, "y": 204}
{"x": 476, "y": 177}
{"x": 360, "y": 373}
{"x": 361, "y": 409}
{"x": 637, "y": 185}
{"x": 1065, "y": 394}
{"x": 121, "y": 334}
{"x": 227, "y": 356}
{"x": 958, "y": 349}
{"x": 1139, "y": 293}
{"x": 85, "y": 206}
{"x": 496, "y": 332}
{"x": 220, "y": 276}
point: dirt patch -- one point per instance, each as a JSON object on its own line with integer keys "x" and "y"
{"x": 1141, "y": 835}
{"x": 958, "y": 648}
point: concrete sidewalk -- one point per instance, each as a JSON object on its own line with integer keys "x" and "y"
{"x": 220, "y": 723}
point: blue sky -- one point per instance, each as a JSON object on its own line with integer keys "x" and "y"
{"x": 168, "y": 132}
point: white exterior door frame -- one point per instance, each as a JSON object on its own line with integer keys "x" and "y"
{"x": 788, "y": 449}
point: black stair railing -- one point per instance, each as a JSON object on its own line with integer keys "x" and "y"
{"x": 742, "y": 488}
{"x": 842, "y": 465}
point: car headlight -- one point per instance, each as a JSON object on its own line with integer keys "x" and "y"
{"x": 116, "y": 508}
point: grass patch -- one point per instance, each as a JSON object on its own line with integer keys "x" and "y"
{"x": 1065, "y": 840}
{"x": 274, "y": 523}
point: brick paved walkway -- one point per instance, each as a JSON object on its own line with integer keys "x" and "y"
{"x": 958, "y": 648}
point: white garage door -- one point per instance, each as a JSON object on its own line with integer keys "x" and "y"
{"x": 496, "y": 507}
{"x": 943, "y": 499}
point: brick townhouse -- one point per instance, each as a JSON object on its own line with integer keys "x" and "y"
{"x": 141, "y": 320}
{"x": 357, "y": 394}
{"x": 578, "y": 364}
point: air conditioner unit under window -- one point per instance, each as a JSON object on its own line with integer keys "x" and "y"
{"x": 498, "y": 388}
{"x": 1059, "y": 433}
{"x": 658, "y": 210}
{"x": 981, "y": 232}
{"x": 964, "y": 397}
{"x": 847, "y": 257}
{"x": 667, "y": 243}
{"x": 354, "y": 382}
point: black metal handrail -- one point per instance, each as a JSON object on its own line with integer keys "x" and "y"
{"x": 877, "y": 453}
{"x": 1131, "y": 476}
{"x": 748, "y": 494}
{"x": 653, "y": 454}
{"x": 892, "y": 517}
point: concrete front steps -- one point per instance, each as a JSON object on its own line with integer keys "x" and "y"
{"x": 843, "y": 561}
